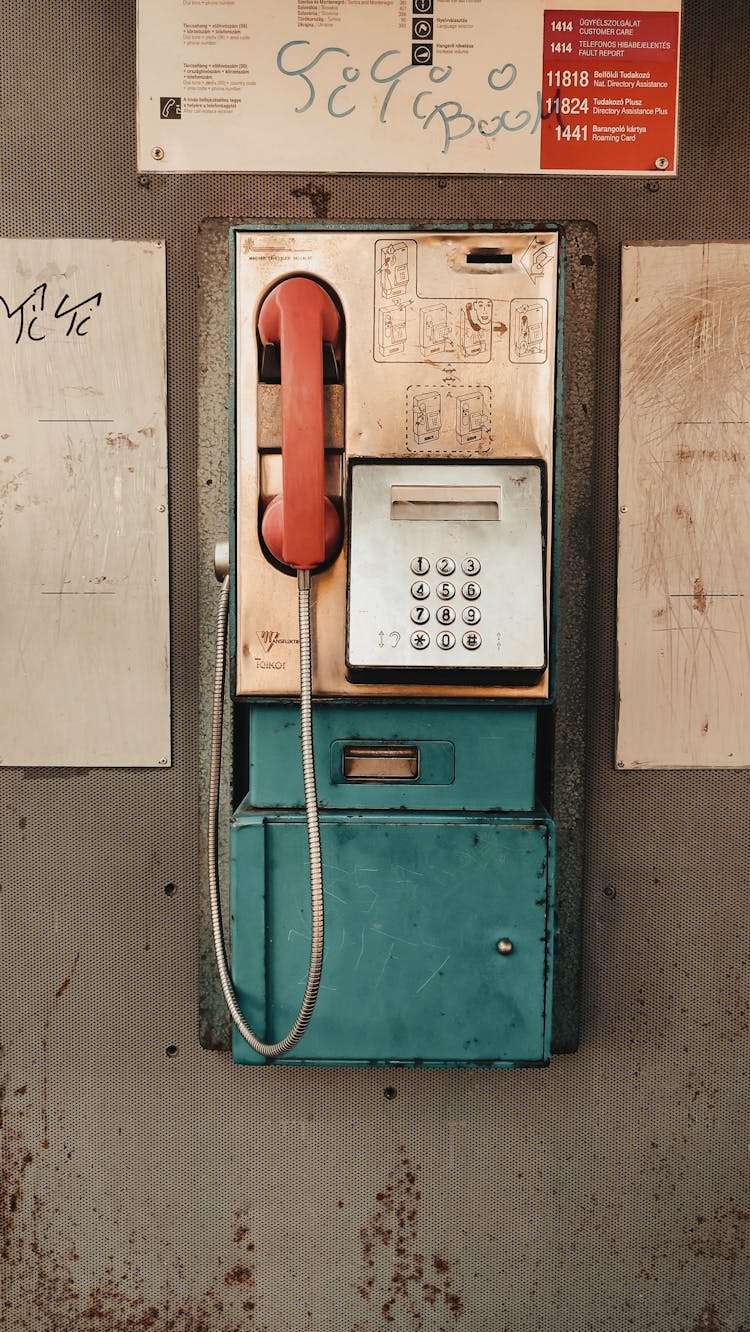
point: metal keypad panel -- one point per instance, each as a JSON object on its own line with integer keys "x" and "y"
{"x": 446, "y": 568}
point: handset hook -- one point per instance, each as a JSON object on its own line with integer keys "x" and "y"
{"x": 301, "y": 527}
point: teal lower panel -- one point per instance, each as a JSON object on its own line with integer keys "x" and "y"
{"x": 471, "y": 757}
{"x": 415, "y": 907}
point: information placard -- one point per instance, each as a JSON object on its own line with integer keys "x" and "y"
{"x": 609, "y": 86}
{"x": 398, "y": 86}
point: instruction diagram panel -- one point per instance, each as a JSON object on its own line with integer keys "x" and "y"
{"x": 444, "y": 86}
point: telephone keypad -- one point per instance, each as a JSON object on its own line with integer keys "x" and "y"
{"x": 445, "y": 614}
{"x": 424, "y": 578}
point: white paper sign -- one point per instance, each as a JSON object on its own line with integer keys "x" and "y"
{"x": 438, "y": 86}
{"x": 84, "y": 556}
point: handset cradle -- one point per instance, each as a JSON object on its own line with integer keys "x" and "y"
{"x": 301, "y": 527}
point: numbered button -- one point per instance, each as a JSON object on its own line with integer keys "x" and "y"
{"x": 420, "y": 591}
{"x": 420, "y": 640}
{"x": 445, "y": 615}
{"x": 471, "y": 615}
{"x": 471, "y": 640}
{"x": 420, "y": 565}
{"x": 446, "y": 591}
{"x": 420, "y": 614}
{"x": 445, "y": 639}
{"x": 445, "y": 566}
{"x": 470, "y": 566}
{"x": 471, "y": 591}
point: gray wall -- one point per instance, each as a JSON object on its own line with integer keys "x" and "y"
{"x": 148, "y": 1183}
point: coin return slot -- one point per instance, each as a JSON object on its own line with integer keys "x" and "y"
{"x": 380, "y": 763}
{"x": 489, "y": 257}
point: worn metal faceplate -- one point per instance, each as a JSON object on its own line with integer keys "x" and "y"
{"x": 446, "y": 568}
{"x": 449, "y": 354}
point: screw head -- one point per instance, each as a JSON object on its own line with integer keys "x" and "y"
{"x": 661, "y": 163}
{"x": 157, "y": 154}
{"x": 504, "y": 946}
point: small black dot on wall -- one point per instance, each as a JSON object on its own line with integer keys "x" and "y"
{"x": 170, "y": 889}
{"x": 171, "y": 1051}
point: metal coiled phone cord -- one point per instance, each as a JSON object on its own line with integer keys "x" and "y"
{"x": 269, "y": 1051}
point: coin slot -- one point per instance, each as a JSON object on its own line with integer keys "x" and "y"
{"x": 380, "y": 763}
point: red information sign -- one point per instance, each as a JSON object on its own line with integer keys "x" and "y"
{"x": 609, "y": 90}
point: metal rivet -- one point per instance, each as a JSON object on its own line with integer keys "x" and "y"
{"x": 661, "y": 163}
{"x": 623, "y": 508}
{"x": 157, "y": 154}
{"x": 504, "y": 946}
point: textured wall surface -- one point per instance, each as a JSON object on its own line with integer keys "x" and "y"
{"x": 149, "y": 1184}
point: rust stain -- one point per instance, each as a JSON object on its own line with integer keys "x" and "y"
{"x": 685, "y": 454}
{"x": 15, "y": 1159}
{"x": 239, "y": 1276}
{"x": 318, "y": 196}
{"x": 710, "y": 1320}
{"x": 49, "y": 1274}
{"x": 699, "y": 596}
{"x": 398, "y": 1282}
{"x": 64, "y": 985}
{"x": 721, "y": 1236}
{"x": 121, "y": 441}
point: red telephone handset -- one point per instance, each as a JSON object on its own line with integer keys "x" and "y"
{"x": 301, "y": 527}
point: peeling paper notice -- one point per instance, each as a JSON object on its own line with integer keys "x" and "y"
{"x": 84, "y": 550}
{"x": 397, "y": 86}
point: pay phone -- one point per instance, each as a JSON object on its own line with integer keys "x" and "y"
{"x": 391, "y": 572}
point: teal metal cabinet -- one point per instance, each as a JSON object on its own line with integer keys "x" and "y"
{"x": 438, "y": 936}
{"x": 474, "y": 758}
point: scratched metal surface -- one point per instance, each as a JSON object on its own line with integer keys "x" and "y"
{"x": 148, "y": 1184}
